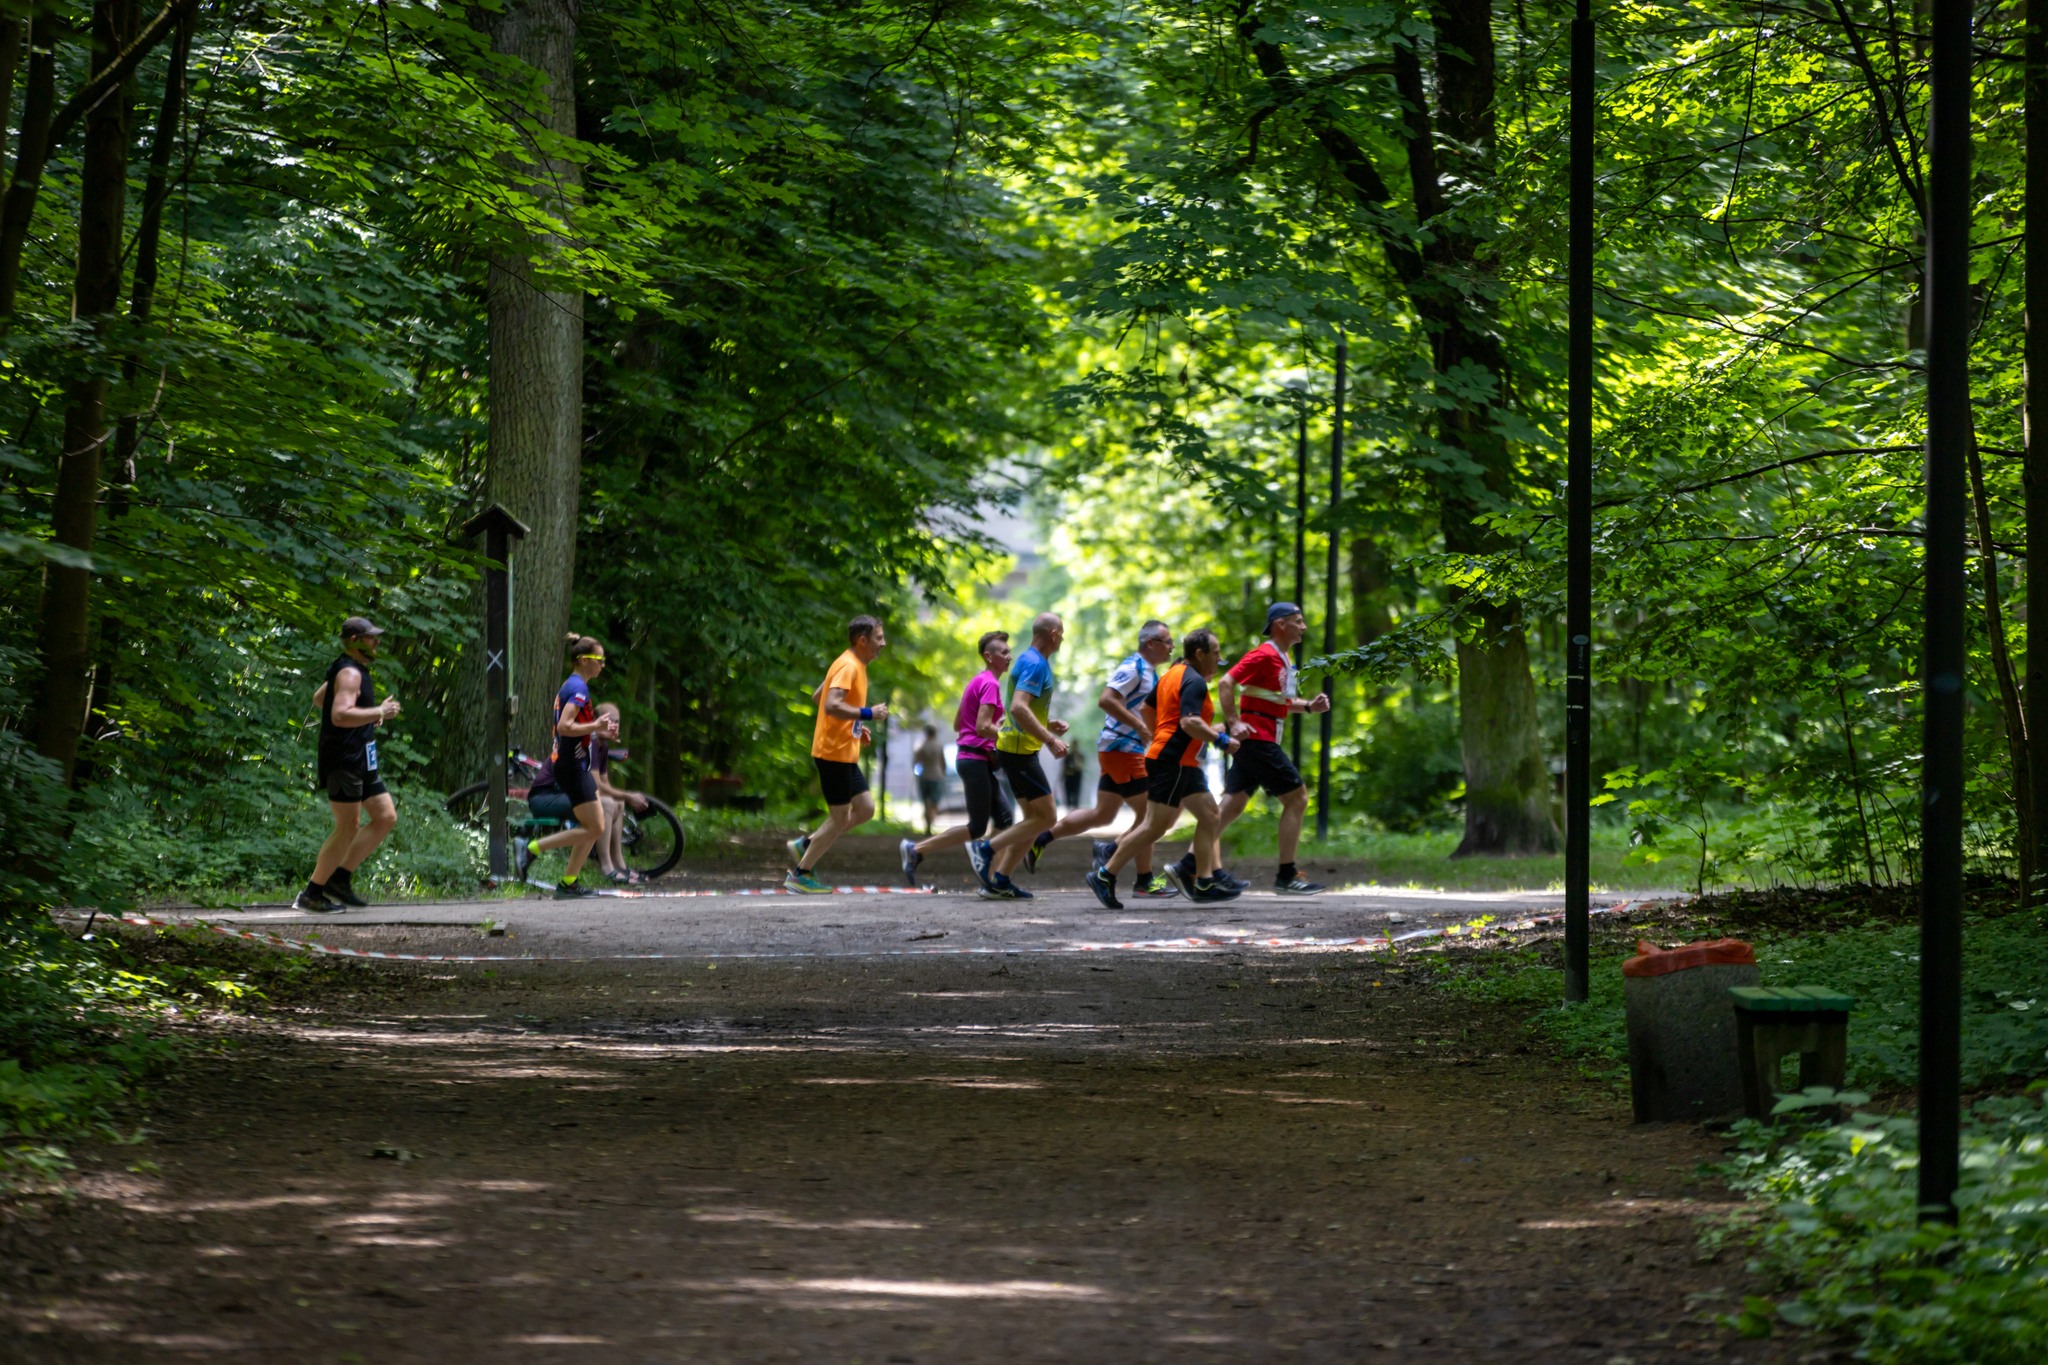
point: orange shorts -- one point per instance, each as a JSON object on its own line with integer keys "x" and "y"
{"x": 1121, "y": 770}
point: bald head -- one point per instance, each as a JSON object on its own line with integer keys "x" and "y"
{"x": 1047, "y": 630}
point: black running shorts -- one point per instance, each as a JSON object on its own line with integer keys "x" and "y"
{"x": 841, "y": 782}
{"x": 1261, "y": 765}
{"x": 1171, "y": 786}
{"x": 345, "y": 786}
{"x": 1026, "y": 774}
{"x": 987, "y": 802}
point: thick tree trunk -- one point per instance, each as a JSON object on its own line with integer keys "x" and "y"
{"x": 96, "y": 293}
{"x": 536, "y": 384}
{"x": 1371, "y": 617}
{"x": 1507, "y": 787}
{"x": 12, "y": 32}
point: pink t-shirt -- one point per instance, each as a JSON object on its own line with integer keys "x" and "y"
{"x": 982, "y": 690}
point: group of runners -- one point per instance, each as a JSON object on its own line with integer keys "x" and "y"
{"x": 1159, "y": 717}
{"x": 573, "y": 787}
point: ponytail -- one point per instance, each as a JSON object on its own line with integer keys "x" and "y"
{"x": 584, "y": 646}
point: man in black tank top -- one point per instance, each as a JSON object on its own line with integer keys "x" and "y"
{"x": 349, "y": 716}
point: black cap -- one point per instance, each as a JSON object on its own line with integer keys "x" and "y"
{"x": 359, "y": 626}
{"x": 1278, "y": 611}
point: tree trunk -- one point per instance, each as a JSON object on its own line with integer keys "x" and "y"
{"x": 32, "y": 153}
{"x": 666, "y": 768}
{"x": 536, "y": 382}
{"x": 2035, "y": 465}
{"x": 1370, "y": 615}
{"x": 2010, "y": 710}
{"x": 12, "y": 32}
{"x": 1507, "y": 788}
{"x": 96, "y": 293}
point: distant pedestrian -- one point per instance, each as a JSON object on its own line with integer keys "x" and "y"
{"x": 930, "y": 761}
{"x": 348, "y": 772}
{"x": 841, "y": 729}
{"x": 1071, "y": 772}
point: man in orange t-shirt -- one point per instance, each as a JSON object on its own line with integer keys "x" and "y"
{"x": 841, "y": 729}
{"x": 1183, "y": 721}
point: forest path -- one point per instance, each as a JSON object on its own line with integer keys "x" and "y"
{"x": 1129, "y": 1157}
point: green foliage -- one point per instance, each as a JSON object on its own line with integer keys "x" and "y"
{"x": 1846, "y": 1247}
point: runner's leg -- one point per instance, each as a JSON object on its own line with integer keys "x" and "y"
{"x": 1139, "y": 804}
{"x": 383, "y": 813}
{"x": 856, "y": 812}
{"x": 590, "y": 829}
{"x": 608, "y": 850}
{"x": 1208, "y": 832}
{"x": 1139, "y": 838}
{"x": 348, "y": 817}
{"x": 1107, "y": 804}
{"x": 1293, "y": 807}
{"x": 1008, "y": 847}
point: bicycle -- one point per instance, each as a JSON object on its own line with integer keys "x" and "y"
{"x": 650, "y": 840}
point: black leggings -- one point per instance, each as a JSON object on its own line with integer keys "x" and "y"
{"x": 986, "y": 798}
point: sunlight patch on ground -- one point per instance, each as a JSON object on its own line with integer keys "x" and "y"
{"x": 955, "y": 1082}
{"x": 1016, "y": 1290}
{"x": 771, "y": 1218}
{"x": 556, "y": 1339}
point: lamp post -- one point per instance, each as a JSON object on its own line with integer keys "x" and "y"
{"x": 1330, "y": 585}
{"x": 1578, "y": 611}
{"x": 500, "y": 530}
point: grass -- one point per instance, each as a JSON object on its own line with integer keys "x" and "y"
{"x": 1424, "y": 861}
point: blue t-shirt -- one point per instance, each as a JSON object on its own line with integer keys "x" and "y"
{"x": 1133, "y": 680}
{"x": 1032, "y": 675}
{"x": 575, "y": 695}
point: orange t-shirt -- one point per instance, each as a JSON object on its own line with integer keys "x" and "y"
{"x": 836, "y": 740}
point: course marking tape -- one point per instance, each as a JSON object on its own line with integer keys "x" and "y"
{"x": 1366, "y": 943}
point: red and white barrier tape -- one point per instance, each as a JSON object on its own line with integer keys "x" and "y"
{"x": 1366, "y": 943}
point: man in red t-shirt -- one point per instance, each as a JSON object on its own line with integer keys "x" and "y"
{"x": 1255, "y": 697}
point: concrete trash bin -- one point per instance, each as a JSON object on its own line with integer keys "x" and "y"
{"x": 1682, "y": 1059}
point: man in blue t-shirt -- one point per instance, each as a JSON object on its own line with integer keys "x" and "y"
{"x": 1120, "y": 754}
{"x": 1027, "y": 728}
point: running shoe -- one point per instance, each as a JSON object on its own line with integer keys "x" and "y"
{"x": 1183, "y": 880}
{"x": 1011, "y": 891}
{"x": 1152, "y": 886}
{"x": 988, "y": 895}
{"x": 805, "y": 883}
{"x": 1297, "y": 887}
{"x": 523, "y": 855}
{"x": 1101, "y": 851}
{"x": 978, "y": 855}
{"x": 1103, "y": 885}
{"x": 573, "y": 889}
{"x": 1226, "y": 877}
{"x": 1031, "y": 854}
{"x": 1208, "y": 891}
{"x": 911, "y": 858}
{"x": 341, "y": 887}
{"x": 314, "y": 901}
{"x": 797, "y": 848}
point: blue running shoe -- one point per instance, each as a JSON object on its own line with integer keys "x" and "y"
{"x": 978, "y": 855}
{"x": 1104, "y": 887}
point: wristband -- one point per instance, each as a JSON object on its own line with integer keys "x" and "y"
{"x": 867, "y": 713}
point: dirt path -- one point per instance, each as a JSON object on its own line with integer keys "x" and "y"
{"x": 1176, "y": 1159}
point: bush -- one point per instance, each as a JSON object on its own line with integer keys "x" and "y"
{"x": 1847, "y": 1242}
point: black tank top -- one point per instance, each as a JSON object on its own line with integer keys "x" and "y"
{"x": 348, "y": 747}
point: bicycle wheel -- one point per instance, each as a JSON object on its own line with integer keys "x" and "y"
{"x": 471, "y": 806}
{"x": 651, "y": 839}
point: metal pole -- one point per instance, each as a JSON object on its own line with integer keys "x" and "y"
{"x": 1300, "y": 545}
{"x": 1942, "y": 657}
{"x": 497, "y": 687}
{"x": 1330, "y": 587}
{"x": 1578, "y": 593}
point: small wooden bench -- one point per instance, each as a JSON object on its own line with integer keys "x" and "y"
{"x": 1771, "y": 1022}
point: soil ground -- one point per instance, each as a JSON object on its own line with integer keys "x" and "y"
{"x": 1087, "y": 1157}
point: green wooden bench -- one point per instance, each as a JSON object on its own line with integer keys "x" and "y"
{"x": 1772, "y": 1022}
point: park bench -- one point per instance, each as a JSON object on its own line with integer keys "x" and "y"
{"x": 1772, "y": 1022}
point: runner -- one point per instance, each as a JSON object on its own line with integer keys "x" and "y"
{"x": 1026, "y": 729}
{"x": 975, "y": 725}
{"x": 1182, "y": 709}
{"x": 570, "y": 784}
{"x": 1256, "y": 697}
{"x": 843, "y": 714}
{"x": 930, "y": 760}
{"x": 347, "y": 771}
{"x": 1120, "y": 753}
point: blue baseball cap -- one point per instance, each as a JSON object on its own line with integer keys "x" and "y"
{"x": 1277, "y": 612}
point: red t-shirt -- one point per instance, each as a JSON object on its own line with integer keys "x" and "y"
{"x": 1264, "y": 670}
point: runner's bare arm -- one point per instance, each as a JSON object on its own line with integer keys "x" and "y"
{"x": 985, "y": 722}
{"x": 1112, "y": 703}
{"x": 348, "y": 685}
{"x": 838, "y": 708}
{"x": 1025, "y": 719}
{"x": 576, "y": 729}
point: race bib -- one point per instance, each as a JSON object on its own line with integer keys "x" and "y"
{"x": 370, "y": 755}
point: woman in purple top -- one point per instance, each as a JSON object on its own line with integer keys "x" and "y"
{"x": 976, "y": 723}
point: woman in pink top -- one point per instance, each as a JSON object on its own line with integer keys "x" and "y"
{"x": 976, "y": 723}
